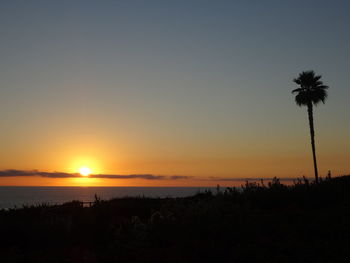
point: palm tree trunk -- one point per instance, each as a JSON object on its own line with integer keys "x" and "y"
{"x": 312, "y": 134}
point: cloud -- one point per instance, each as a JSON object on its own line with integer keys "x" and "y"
{"x": 130, "y": 176}
{"x": 176, "y": 177}
{"x": 13, "y": 173}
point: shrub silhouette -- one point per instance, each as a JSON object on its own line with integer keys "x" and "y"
{"x": 260, "y": 222}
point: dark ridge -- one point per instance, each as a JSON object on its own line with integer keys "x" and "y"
{"x": 304, "y": 222}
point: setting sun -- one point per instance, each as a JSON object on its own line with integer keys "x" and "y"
{"x": 85, "y": 171}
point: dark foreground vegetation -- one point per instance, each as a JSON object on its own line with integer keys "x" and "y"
{"x": 273, "y": 223}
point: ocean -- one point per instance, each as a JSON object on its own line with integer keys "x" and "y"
{"x": 15, "y": 196}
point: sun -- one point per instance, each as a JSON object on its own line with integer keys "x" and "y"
{"x": 85, "y": 171}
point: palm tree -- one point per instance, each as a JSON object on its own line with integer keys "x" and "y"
{"x": 311, "y": 92}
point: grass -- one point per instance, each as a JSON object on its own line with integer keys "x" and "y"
{"x": 304, "y": 222}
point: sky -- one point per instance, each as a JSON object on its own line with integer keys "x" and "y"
{"x": 194, "y": 92}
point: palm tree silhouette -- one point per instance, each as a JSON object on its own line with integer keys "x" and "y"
{"x": 311, "y": 92}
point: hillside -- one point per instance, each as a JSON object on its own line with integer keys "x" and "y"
{"x": 304, "y": 222}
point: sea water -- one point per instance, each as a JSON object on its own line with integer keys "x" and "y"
{"x": 14, "y": 196}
